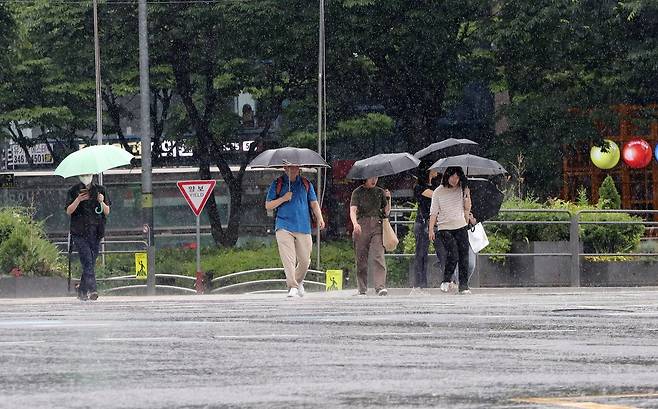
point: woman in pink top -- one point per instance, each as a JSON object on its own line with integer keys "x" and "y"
{"x": 449, "y": 211}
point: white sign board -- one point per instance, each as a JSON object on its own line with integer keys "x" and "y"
{"x": 39, "y": 153}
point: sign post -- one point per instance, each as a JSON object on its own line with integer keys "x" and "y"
{"x": 197, "y": 193}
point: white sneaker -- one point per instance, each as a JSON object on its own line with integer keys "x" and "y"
{"x": 359, "y": 294}
{"x": 464, "y": 292}
{"x": 300, "y": 290}
{"x": 293, "y": 293}
{"x": 446, "y": 286}
{"x": 382, "y": 292}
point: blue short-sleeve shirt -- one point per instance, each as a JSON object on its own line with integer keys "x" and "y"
{"x": 293, "y": 216}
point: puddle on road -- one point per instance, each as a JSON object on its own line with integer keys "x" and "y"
{"x": 592, "y": 310}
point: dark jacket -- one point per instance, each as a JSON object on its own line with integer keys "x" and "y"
{"x": 423, "y": 212}
{"x": 86, "y": 215}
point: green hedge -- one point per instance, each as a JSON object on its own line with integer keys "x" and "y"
{"x": 603, "y": 238}
{"x": 24, "y": 246}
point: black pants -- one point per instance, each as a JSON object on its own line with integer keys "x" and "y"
{"x": 420, "y": 260}
{"x": 456, "y": 245}
{"x": 87, "y": 246}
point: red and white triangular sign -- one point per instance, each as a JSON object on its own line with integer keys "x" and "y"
{"x": 196, "y": 192}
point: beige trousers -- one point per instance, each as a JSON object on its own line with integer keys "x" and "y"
{"x": 295, "y": 252}
{"x": 369, "y": 243}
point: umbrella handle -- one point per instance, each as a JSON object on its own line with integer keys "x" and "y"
{"x": 99, "y": 209}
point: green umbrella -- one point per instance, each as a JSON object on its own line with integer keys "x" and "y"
{"x": 92, "y": 160}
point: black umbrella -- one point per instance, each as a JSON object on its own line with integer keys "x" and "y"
{"x": 278, "y": 158}
{"x": 485, "y": 199}
{"x": 448, "y": 147}
{"x": 472, "y": 165}
{"x": 382, "y": 165}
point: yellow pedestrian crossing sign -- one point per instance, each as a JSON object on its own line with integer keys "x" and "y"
{"x": 334, "y": 280}
{"x": 141, "y": 266}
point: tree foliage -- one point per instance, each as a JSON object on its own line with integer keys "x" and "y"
{"x": 407, "y": 61}
{"x": 394, "y": 67}
{"x": 565, "y": 64}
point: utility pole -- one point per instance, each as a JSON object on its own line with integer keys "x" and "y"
{"x": 97, "y": 68}
{"x": 145, "y": 123}
{"x": 321, "y": 119}
{"x": 99, "y": 102}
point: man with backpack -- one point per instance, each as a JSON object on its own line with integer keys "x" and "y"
{"x": 294, "y": 200}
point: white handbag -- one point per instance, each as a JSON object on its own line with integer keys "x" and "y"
{"x": 477, "y": 238}
{"x": 389, "y": 237}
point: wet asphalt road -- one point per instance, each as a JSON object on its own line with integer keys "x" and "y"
{"x": 535, "y": 348}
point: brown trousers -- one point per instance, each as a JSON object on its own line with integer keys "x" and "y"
{"x": 295, "y": 252}
{"x": 369, "y": 243}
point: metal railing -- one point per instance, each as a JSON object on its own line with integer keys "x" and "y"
{"x": 399, "y": 218}
{"x": 134, "y": 246}
{"x": 224, "y": 288}
{"x": 572, "y": 220}
{"x": 575, "y": 244}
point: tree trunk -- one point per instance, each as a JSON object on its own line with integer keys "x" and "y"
{"x": 216, "y": 229}
{"x": 207, "y": 146}
{"x": 23, "y": 143}
{"x": 114, "y": 112}
{"x": 160, "y": 98}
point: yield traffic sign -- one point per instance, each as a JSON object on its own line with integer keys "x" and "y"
{"x": 196, "y": 193}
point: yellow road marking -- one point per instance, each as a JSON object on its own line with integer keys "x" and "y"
{"x": 621, "y": 395}
{"x": 566, "y": 403}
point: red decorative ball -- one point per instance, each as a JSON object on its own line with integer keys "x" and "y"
{"x": 636, "y": 153}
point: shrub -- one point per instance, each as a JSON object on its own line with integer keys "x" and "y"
{"x": 600, "y": 238}
{"x": 608, "y": 195}
{"x": 497, "y": 244}
{"x": 23, "y": 245}
{"x": 530, "y": 232}
{"x": 611, "y": 238}
{"x": 582, "y": 199}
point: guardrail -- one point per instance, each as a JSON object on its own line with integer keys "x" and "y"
{"x": 132, "y": 278}
{"x": 572, "y": 220}
{"x": 134, "y": 246}
{"x": 399, "y": 218}
{"x": 574, "y": 237}
{"x": 230, "y": 287}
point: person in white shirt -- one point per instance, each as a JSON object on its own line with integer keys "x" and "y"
{"x": 451, "y": 205}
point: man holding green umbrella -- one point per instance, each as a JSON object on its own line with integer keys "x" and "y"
{"x": 88, "y": 206}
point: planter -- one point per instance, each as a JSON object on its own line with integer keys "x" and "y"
{"x": 27, "y": 287}
{"x": 548, "y": 271}
{"x": 434, "y": 272}
{"x": 541, "y": 271}
{"x": 619, "y": 274}
{"x": 526, "y": 271}
{"x": 492, "y": 274}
